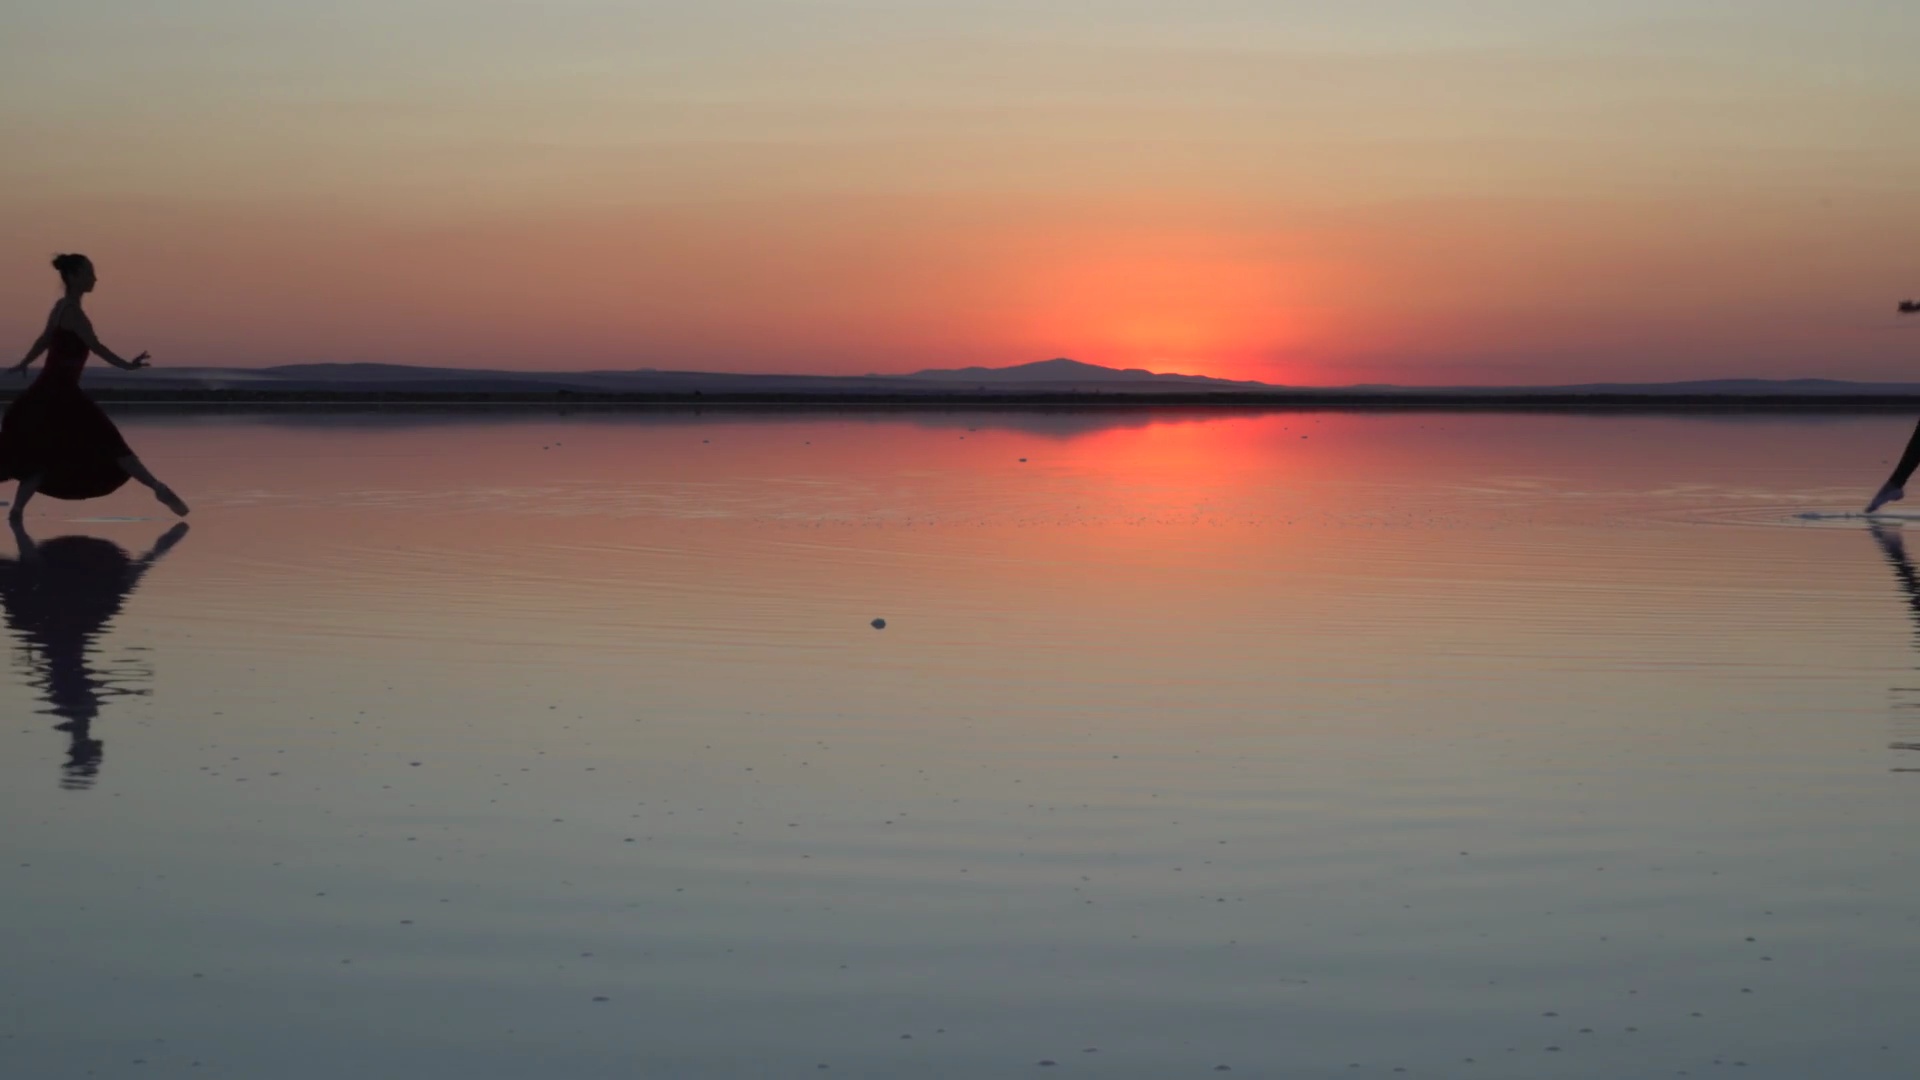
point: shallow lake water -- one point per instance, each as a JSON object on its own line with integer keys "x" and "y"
{"x": 1288, "y": 744}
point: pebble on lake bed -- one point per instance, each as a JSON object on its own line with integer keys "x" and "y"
{"x": 879, "y": 624}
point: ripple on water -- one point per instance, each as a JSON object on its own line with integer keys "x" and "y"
{"x": 1822, "y": 510}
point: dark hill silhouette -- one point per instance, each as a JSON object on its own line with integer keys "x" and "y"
{"x": 1072, "y": 372}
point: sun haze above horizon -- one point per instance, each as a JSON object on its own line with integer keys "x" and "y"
{"x": 1383, "y": 191}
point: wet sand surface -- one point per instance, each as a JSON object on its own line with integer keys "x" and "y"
{"x": 1294, "y": 744}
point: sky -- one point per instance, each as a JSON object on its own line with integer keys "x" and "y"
{"x": 1431, "y": 192}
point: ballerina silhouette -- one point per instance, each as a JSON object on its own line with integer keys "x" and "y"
{"x": 53, "y": 438}
{"x": 57, "y": 598}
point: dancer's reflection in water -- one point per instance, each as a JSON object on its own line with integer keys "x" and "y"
{"x": 1907, "y": 714}
{"x": 58, "y": 598}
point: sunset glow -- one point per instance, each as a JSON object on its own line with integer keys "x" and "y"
{"x": 1460, "y": 192}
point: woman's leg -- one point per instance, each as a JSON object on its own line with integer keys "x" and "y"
{"x": 28, "y": 485}
{"x": 160, "y": 491}
{"x": 1895, "y": 488}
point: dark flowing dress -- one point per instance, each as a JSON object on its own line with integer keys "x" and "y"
{"x": 54, "y": 429}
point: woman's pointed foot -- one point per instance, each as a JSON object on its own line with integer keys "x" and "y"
{"x": 171, "y": 501}
{"x": 1887, "y": 493}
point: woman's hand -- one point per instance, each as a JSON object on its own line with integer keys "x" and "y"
{"x": 20, "y": 367}
{"x": 138, "y": 362}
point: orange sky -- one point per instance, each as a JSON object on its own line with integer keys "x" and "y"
{"x": 1450, "y": 192}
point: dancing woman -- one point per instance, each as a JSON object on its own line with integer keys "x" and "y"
{"x": 53, "y": 438}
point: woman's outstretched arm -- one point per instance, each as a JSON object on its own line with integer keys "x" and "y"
{"x": 39, "y": 346}
{"x": 83, "y": 326}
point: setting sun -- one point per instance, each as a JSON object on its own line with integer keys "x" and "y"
{"x": 1182, "y": 301}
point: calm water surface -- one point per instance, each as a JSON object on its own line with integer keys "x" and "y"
{"x": 1302, "y": 745}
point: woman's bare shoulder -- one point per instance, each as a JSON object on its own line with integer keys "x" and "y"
{"x": 68, "y": 314}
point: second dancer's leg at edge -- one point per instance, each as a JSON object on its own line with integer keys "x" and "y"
{"x": 1895, "y": 488}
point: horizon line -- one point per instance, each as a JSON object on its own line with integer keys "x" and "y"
{"x": 1093, "y": 372}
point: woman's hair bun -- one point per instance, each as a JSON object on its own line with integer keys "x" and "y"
{"x": 70, "y": 264}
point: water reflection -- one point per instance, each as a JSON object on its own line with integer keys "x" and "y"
{"x": 58, "y": 597}
{"x": 1907, "y": 705}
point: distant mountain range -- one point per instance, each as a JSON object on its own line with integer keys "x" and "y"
{"x": 1058, "y": 374}
{"x": 1057, "y": 377}
{"x": 1061, "y": 371}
